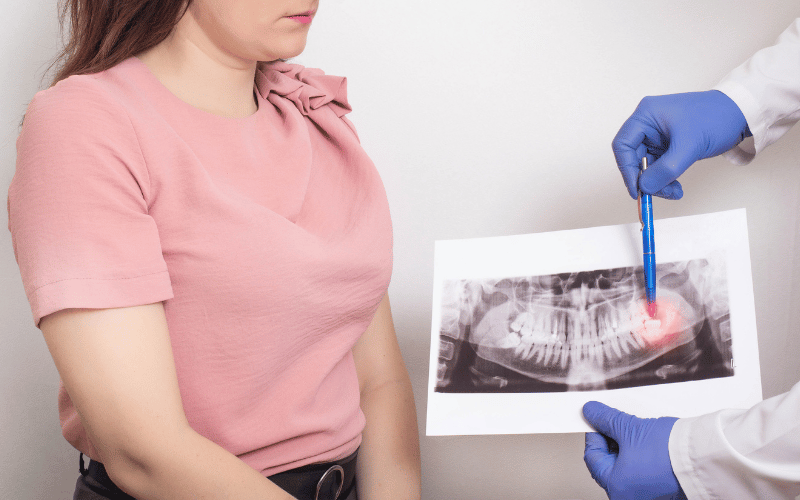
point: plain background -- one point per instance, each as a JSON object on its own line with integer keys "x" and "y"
{"x": 485, "y": 118}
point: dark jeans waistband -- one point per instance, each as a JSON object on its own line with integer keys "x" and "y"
{"x": 326, "y": 481}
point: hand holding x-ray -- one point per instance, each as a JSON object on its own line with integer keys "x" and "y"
{"x": 636, "y": 464}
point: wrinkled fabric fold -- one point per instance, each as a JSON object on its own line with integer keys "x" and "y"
{"x": 308, "y": 88}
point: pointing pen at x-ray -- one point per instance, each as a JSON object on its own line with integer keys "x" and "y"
{"x": 648, "y": 247}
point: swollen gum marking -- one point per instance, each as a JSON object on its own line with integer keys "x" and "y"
{"x": 652, "y": 329}
{"x": 667, "y": 322}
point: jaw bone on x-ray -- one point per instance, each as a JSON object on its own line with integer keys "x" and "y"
{"x": 585, "y": 330}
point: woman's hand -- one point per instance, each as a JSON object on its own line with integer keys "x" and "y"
{"x": 118, "y": 369}
{"x": 388, "y": 461}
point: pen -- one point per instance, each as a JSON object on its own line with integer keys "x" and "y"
{"x": 648, "y": 247}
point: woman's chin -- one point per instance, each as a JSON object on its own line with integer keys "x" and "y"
{"x": 287, "y": 50}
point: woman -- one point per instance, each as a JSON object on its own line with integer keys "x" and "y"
{"x": 206, "y": 249}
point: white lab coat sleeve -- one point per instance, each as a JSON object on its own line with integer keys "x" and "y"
{"x": 755, "y": 453}
{"x": 740, "y": 454}
{"x": 767, "y": 90}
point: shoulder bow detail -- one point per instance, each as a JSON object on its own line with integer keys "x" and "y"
{"x": 307, "y": 88}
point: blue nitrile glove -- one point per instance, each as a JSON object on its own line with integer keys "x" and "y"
{"x": 674, "y": 131}
{"x": 637, "y": 465}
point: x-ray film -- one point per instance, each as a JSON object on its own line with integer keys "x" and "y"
{"x": 528, "y": 328}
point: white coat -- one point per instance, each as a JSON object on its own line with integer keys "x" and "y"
{"x": 755, "y": 453}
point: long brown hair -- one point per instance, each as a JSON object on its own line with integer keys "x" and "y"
{"x": 103, "y": 33}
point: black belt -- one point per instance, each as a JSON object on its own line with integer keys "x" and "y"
{"x": 327, "y": 481}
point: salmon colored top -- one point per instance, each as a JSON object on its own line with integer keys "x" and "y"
{"x": 267, "y": 238}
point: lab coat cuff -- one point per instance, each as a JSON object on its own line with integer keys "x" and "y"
{"x": 744, "y": 152}
{"x": 688, "y": 436}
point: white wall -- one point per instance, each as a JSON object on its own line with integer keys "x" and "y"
{"x": 485, "y": 118}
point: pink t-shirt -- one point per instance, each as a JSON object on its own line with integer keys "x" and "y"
{"x": 268, "y": 239}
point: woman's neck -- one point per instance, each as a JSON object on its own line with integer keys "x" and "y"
{"x": 200, "y": 74}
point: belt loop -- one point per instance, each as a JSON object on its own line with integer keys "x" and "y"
{"x": 335, "y": 468}
{"x": 81, "y": 467}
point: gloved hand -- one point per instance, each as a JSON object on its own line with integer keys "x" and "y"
{"x": 674, "y": 131}
{"x": 636, "y": 465}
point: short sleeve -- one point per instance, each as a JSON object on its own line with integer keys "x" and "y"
{"x": 78, "y": 205}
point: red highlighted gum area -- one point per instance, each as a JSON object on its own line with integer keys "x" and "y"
{"x": 657, "y": 323}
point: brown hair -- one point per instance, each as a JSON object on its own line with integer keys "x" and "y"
{"x": 103, "y": 33}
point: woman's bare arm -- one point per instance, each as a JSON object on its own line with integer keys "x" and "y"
{"x": 388, "y": 461}
{"x": 117, "y": 367}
